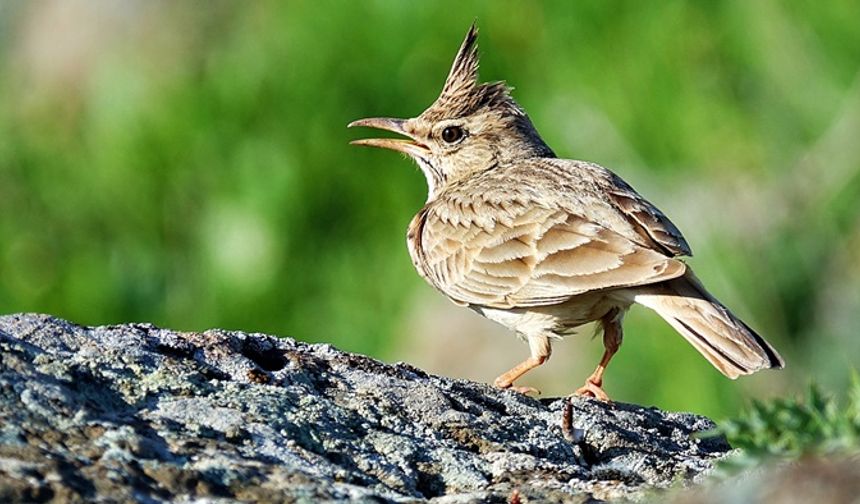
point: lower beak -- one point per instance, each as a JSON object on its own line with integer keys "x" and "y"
{"x": 407, "y": 146}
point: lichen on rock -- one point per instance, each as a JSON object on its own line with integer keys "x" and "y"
{"x": 134, "y": 412}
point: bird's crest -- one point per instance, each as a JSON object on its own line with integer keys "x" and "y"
{"x": 463, "y": 77}
{"x": 462, "y": 93}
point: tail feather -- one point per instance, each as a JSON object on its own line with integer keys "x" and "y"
{"x": 728, "y": 343}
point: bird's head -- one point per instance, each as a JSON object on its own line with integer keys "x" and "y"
{"x": 471, "y": 127}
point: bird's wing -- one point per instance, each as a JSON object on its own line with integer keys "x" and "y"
{"x": 648, "y": 225}
{"x": 518, "y": 253}
{"x": 646, "y": 219}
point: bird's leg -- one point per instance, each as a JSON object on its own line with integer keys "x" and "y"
{"x": 506, "y": 380}
{"x": 540, "y": 349}
{"x": 612, "y": 336}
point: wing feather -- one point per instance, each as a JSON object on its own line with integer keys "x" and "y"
{"x": 527, "y": 255}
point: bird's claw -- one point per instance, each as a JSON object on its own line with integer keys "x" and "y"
{"x": 591, "y": 389}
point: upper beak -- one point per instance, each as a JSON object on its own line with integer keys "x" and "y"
{"x": 407, "y": 146}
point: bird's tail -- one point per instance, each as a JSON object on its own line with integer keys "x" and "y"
{"x": 729, "y": 344}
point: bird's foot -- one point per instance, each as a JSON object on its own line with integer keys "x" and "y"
{"x": 503, "y": 384}
{"x": 526, "y": 390}
{"x": 591, "y": 389}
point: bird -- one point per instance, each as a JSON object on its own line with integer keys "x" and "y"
{"x": 543, "y": 245}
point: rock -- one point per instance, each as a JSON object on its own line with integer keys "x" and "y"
{"x": 814, "y": 477}
{"x": 137, "y": 413}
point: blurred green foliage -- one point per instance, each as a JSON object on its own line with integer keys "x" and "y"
{"x": 164, "y": 162}
{"x": 786, "y": 429}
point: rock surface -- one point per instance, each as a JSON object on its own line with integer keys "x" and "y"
{"x": 832, "y": 478}
{"x": 138, "y": 413}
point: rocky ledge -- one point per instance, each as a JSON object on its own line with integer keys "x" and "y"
{"x": 138, "y": 413}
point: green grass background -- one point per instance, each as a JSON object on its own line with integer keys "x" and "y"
{"x": 187, "y": 163}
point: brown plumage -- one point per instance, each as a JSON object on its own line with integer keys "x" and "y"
{"x": 543, "y": 245}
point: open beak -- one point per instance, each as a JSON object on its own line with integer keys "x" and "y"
{"x": 407, "y": 146}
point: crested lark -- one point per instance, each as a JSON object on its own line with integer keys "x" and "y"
{"x": 543, "y": 245}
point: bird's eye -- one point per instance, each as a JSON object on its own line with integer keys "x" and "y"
{"x": 452, "y": 134}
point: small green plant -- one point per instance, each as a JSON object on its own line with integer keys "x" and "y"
{"x": 788, "y": 428}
